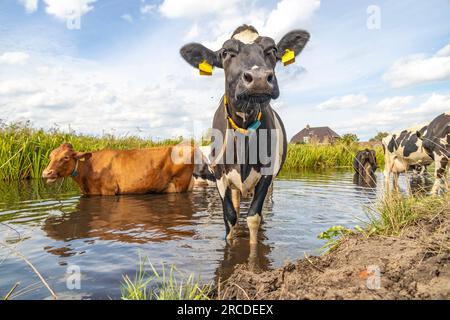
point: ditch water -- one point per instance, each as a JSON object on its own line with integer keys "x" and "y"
{"x": 58, "y": 230}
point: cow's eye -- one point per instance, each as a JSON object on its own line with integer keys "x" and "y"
{"x": 66, "y": 158}
{"x": 228, "y": 53}
{"x": 272, "y": 51}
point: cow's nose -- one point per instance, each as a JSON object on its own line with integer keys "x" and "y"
{"x": 47, "y": 173}
{"x": 258, "y": 79}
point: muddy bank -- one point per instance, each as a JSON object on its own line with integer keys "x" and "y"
{"x": 415, "y": 265}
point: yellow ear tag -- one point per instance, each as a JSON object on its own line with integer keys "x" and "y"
{"x": 205, "y": 68}
{"x": 288, "y": 57}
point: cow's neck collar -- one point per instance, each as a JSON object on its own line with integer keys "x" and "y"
{"x": 253, "y": 124}
{"x": 75, "y": 170}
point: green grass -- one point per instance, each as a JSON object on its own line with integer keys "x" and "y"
{"x": 392, "y": 214}
{"x": 24, "y": 151}
{"x": 309, "y": 156}
{"x": 389, "y": 217}
{"x": 167, "y": 284}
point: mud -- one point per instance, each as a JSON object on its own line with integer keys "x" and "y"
{"x": 415, "y": 265}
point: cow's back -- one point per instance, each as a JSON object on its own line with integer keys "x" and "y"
{"x": 141, "y": 171}
{"x": 437, "y": 138}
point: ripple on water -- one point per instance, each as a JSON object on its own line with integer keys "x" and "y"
{"x": 104, "y": 236}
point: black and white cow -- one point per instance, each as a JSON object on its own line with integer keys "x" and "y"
{"x": 436, "y": 142}
{"x": 365, "y": 162}
{"x": 403, "y": 150}
{"x": 203, "y": 173}
{"x": 365, "y": 165}
{"x": 249, "y": 143}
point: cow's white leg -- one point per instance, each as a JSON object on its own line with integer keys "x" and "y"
{"x": 253, "y": 223}
{"x": 236, "y": 199}
{"x": 254, "y": 213}
{"x": 440, "y": 174}
{"x": 395, "y": 180}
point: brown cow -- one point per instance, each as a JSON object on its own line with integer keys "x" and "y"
{"x": 113, "y": 172}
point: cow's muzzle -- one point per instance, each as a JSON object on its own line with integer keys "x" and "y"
{"x": 258, "y": 85}
{"x": 49, "y": 175}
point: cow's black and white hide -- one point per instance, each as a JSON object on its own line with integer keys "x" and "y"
{"x": 249, "y": 140}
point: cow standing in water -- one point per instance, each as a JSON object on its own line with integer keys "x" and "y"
{"x": 436, "y": 142}
{"x": 249, "y": 139}
{"x": 403, "y": 150}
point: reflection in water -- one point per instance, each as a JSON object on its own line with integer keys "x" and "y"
{"x": 365, "y": 181}
{"x": 56, "y": 228}
{"x": 131, "y": 218}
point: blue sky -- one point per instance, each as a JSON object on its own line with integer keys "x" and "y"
{"x": 120, "y": 72}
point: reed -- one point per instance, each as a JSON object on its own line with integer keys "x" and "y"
{"x": 167, "y": 284}
{"x": 24, "y": 151}
{"x": 394, "y": 212}
{"x": 316, "y": 156}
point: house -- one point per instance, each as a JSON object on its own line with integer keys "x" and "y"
{"x": 309, "y": 134}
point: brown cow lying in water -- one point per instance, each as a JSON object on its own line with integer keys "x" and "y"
{"x": 112, "y": 172}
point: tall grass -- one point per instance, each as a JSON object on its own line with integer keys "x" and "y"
{"x": 24, "y": 151}
{"x": 301, "y": 156}
{"x": 394, "y": 212}
{"x": 167, "y": 284}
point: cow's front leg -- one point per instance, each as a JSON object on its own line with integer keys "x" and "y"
{"x": 229, "y": 213}
{"x": 254, "y": 213}
{"x": 440, "y": 174}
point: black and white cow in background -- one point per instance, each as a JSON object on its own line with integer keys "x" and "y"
{"x": 436, "y": 142}
{"x": 365, "y": 165}
{"x": 247, "y": 124}
{"x": 402, "y": 150}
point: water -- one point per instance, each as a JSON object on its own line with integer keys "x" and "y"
{"x": 56, "y": 229}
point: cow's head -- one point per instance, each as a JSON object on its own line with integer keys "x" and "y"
{"x": 63, "y": 161}
{"x": 249, "y": 63}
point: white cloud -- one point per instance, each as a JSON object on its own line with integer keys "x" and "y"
{"x": 395, "y": 103}
{"x": 194, "y": 8}
{"x": 127, "y": 18}
{"x": 417, "y": 69}
{"x": 30, "y": 5}
{"x": 395, "y": 118}
{"x": 16, "y": 57}
{"x": 147, "y": 8}
{"x": 192, "y": 33}
{"x": 289, "y": 14}
{"x": 344, "y": 102}
{"x": 18, "y": 87}
{"x": 68, "y": 9}
{"x": 435, "y": 104}
{"x": 214, "y": 22}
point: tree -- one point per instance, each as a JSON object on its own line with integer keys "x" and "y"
{"x": 379, "y": 136}
{"x": 349, "y": 138}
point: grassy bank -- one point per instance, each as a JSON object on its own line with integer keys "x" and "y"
{"x": 24, "y": 151}
{"x": 402, "y": 253}
{"x": 390, "y": 216}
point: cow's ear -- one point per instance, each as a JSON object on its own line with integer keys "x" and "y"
{"x": 196, "y": 53}
{"x": 292, "y": 44}
{"x": 82, "y": 155}
{"x": 419, "y": 135}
